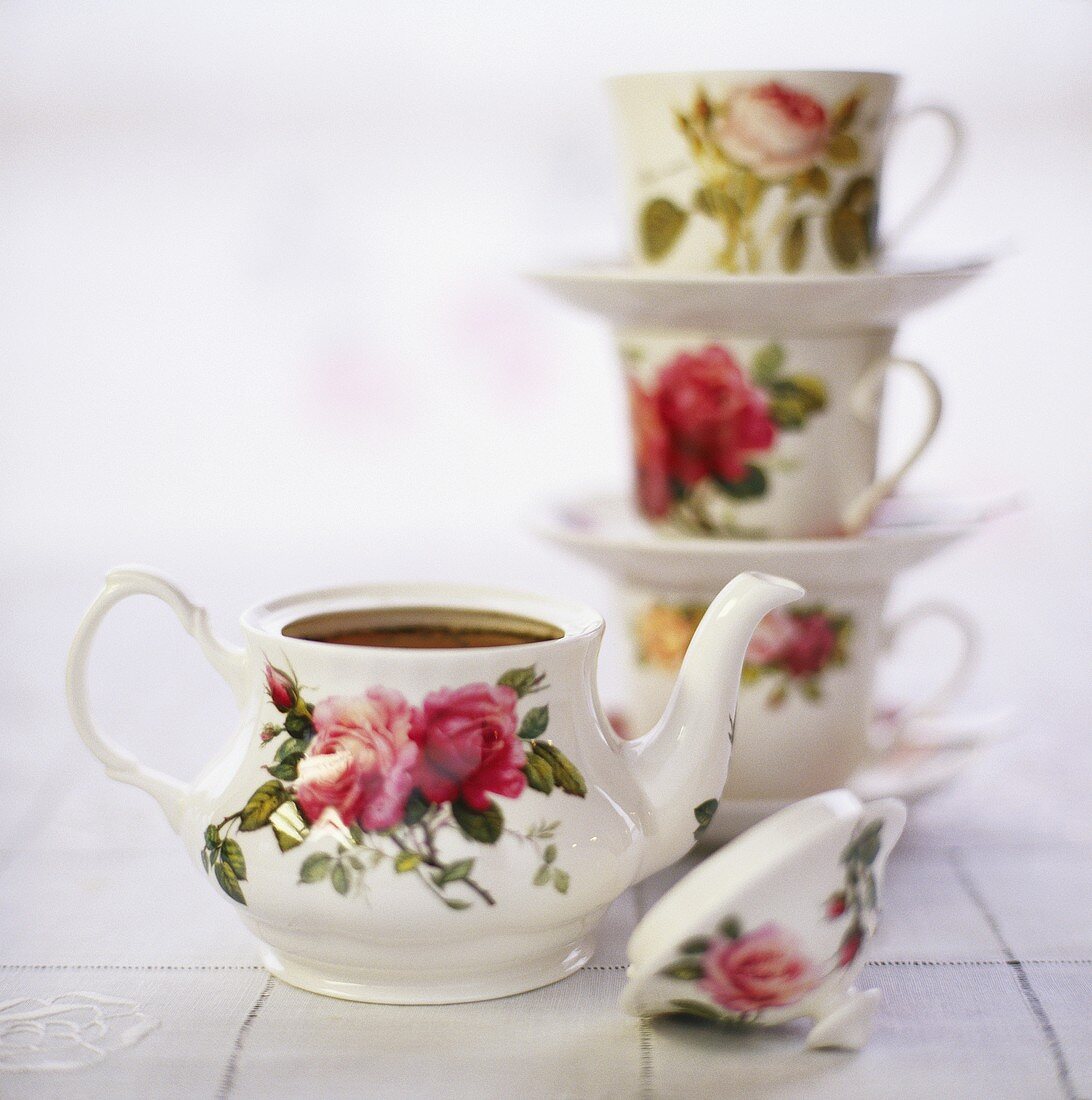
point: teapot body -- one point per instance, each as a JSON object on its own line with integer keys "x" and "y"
{"x": 415, "y": 825}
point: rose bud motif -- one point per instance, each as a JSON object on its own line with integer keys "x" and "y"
{"x": 765, "y": 968}
{"x": 836, "y": 905}
{"x": 851, "y": 945}
{"x": 468, "y": 744}
{"x": 774, "y": 130}
{"x": 281, "y": 688}
{"x": 359, "y": 766}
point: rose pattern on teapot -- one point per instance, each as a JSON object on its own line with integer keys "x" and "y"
{"x": 792, "y": 647}
{"x": 706, "y": 432}
{"x": 738, "y": 975}
{"x": 387, "y": 781}
{"x": 772, "y": 148}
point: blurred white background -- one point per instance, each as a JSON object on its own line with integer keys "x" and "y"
{"x": 263, "y": 326}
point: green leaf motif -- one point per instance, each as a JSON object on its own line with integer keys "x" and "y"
{"x": 205, "y": 859}
{"x": 696, "y": 1008}
{"x": 851, "y": 225}
{"x": 696, "y": 945}
{"x": 767, "y": 363}
{"x": 542, "y": 875}
{"x": 259, "y": 809}
{"x": 752, "y": 484}
{"x": 484, "y": 826}
{"x": 731, "y": 928}
{"x": 843, "y": 150}
{"x": 232, "y": 855}
{"x": 456, "y": 903}
{"x": 416, "y": 808}
{"x": 566, "y": 774}
{"x": 316, "y": 867}
{"x": 229, "y": 882}
{"x": 794, "y": 245}
{"x": 523, "y": 681}
{"x": 286, "y": 769}
{"x": 454, "y": 872}
{"x": 288, "y": 826}
{"x": 540, "y": 776}
{"x": 703, "y": 814}
{"x": 212, "y": 838}
{"x": 685, "y": 970}
{"x": 550, "y": 854}
{"x": 406, "y": 861}
{"x": 289, "y": 747}
{"x": 534, "y": 723}
{"x": 661, "y": 223}
{"x": 339, "y": 878}
{"x": 561, "y": 881}
{"x": 299, "y": 725}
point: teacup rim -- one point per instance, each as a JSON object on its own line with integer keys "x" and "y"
{"x": 575, "y": 620}
{"x": 617, "y": 79}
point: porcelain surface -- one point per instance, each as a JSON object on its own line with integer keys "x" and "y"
{"x": 737, "y": 437}
{"x": 769, "y": 306}
{"x": 773, "y": 926}
{"x": 434, "y": 825}
{"x": 607, "y": 531}
{"x": 764, "y": 171}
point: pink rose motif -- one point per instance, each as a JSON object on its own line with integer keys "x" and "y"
{"x": 811, "y": 646}
{"x": 761, "y": 969}
{"x": 360, "y": 763}
{"x": 650, "y": 444}
{"x": 281, "y": 688}
{"x": 714, "y": 417}
{"x": 774, "y": 130}
{"x": 771, "y": 637}
{"x": 468, "y": 745}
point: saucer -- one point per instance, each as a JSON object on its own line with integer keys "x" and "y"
{"x": 909, "y": 769}
{"x": 636, "y": 297}
{"x": 607, "y": 531}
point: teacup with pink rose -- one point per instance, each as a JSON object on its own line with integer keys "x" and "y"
{"x": 774, "y": 172}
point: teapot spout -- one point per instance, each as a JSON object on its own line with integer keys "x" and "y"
{"x": 682, "y": 763}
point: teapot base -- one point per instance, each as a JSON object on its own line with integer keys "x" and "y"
{"x": 443, "y": 985}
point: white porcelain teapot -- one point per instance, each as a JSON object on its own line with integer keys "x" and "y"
{"x": 423, "y": 801}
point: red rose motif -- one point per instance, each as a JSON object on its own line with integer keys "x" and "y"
{"x": 811, "y": 646}
{"x": 714, "y": 418}
{"x": 281, "y": 688}
{"x": 650, "y": 444}
{"x": 360, "y": 763}
{"x": 762, "y": 969}
{"x": 774, "y": 130}
{"x": 468, "y": 744}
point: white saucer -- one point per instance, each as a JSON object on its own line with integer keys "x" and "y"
{"x": 759, "y": 304}
{"x": 608, "y": 532}
{"x": 909, "y": 769}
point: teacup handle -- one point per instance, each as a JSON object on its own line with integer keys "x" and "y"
{"x": 956, "y": 141}
{"x": 170, "y": 793}
{"x": 865, "y": 404}
{"x": 970, "y": 646}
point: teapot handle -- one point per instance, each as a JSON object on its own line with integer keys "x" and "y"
{"x": 229, "y": 661}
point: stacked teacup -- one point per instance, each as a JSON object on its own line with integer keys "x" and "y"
{"x": 755, "y": 331}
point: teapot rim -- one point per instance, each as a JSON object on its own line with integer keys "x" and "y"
{"x": 575, "y": 620}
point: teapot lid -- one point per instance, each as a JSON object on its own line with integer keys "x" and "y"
{"x": 769, "y": 922}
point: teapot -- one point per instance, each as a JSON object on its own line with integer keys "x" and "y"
{"x": 404, "y": 819}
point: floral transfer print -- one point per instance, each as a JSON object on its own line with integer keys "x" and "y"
{"x": 704, "y": 432}
{"x": 737, "y": 974}
{"x": 792, "y": 646}
{"x": 388, "y": 780}
{"x": 774, "y": 151}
